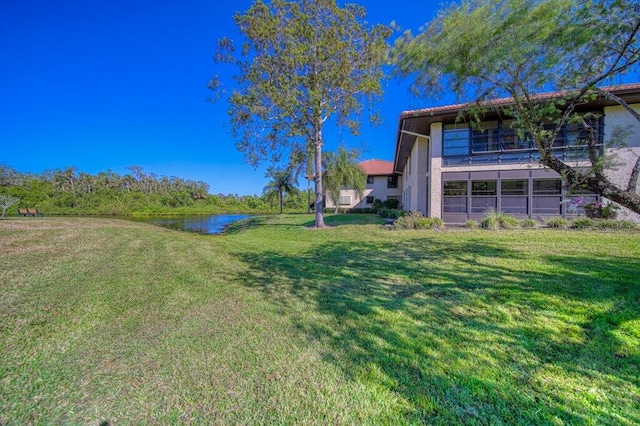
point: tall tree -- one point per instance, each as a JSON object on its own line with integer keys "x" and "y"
{"x": 7, "y": 201}
{"x": 282, "y": 182}
{"x": 302, "y": 63}
{"x": 483, "y": 49}
{"x": 343, "y": 172}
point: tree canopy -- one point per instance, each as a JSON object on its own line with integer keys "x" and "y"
{"x": 300, "y": 64}
{"x": 343, "y": 171}
{"x": 484, "y": 49}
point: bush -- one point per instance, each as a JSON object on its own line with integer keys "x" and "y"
{"x": 390, "y": 213}
{"x": 472, "y": 224}
{"x": 583, "y": 223}
{"x": 415, "y": 220}
{"x": 377, "y": 205}
{"x": 557, "y": 222}
{"x": 497, "y": 219}
{"x": 615, "y": 224}
{"x": 391, "y": 203}
{"x": 528, "y": 223}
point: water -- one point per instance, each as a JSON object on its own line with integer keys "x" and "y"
{"x": 213, "y": 224}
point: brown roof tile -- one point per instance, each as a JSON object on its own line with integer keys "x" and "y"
{"x": 377, "y": 167}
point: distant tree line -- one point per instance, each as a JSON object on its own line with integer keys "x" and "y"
{"x": 68, "y": 191}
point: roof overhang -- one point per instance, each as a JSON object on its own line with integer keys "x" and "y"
{"x": 416, "y": 123}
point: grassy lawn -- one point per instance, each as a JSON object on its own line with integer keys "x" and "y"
{"x": 104, "y": 319}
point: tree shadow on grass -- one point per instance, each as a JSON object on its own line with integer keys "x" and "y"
{"x": 467, "y": 332}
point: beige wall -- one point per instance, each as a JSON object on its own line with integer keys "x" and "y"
{"x": 378, "y": 190}
{"x": 414, "y": 177}
{"x": 623, "y": 157}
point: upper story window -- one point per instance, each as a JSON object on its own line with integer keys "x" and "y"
{"x": 498, "y": 141}
{"x": 370, "y": 180}
{"x": 455, "y": 140}
{"x": 392, "y": 181}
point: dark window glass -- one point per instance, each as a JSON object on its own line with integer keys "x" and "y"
{"x": 514, "y": 204}
{"x": 392, "y": 182}
{"x": 483, "y": 187}
{"x": 455, "y": 188}
{"x": 370, "y": 180}
{"x": 485, "y": 137}
{"x": 369, "y": 199}
{"x": 483, "y": 204}
{"x": 514, "y": 187}
{"x": 455, "y": 142}
{"x": 454, "y": 205}
{"x": 547, "y": 187}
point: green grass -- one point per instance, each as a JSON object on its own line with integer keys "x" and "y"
{"x": 103, "y": 319}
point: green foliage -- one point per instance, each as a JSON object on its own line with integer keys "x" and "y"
{"x": 528, "y": 223}
{"x": 282, "y": 182}
{"x": 415, "y": 220}
{"x": 108, "y": 193}
{"x": 484, "y": 49}
{"x": 497, "y": 219}
{"x": 301, "y": 63}
{"x": 583, "y": 223}
{"x": 472, "y": 224}
{"x": 391, "y": 203}
{"x": 342, "y": 171}
{"x": 390, "y": 213}
{"x": 377, "y": 205}
{"x": 557, "y": 222}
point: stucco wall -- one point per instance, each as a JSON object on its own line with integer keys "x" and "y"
{"x": 414, "y": 177}
{"x": 378, "y": 190}
{"x": 624, "y": 158}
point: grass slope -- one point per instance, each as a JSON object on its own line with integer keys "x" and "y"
{"x": 102, "y": 319}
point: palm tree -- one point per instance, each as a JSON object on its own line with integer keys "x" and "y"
{"x": 343, "y": 171}
{"x": 282, "y": 182}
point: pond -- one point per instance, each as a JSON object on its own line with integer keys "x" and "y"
{"x": 213, "y": 224}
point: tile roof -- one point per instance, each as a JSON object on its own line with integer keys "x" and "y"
{"x": 506, "y": 101}
{"x": 377, "y": 167}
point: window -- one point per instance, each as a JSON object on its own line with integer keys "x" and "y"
{"x": 483, "y": 195}
{"x": 485, "y": 137}
{"x": 514, "y": 187}
{"x": 455, "y": 140}
{"x": 515, "y": 196}
{"x": 392, "y": 181}
{"x": 546, "y": 196}
{"x": 547, "y": 187}
{"x": 455, "y": 188}
{"x": 455, "y": 197}
{"x": 344, "y": 200}
{"x": 483, "y": 187}
{"x": 369, "y": 199}
{"x": 370, "y": 180}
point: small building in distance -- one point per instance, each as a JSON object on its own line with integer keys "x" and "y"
{"x": 382, "y": 184}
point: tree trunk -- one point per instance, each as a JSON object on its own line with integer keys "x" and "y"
{"x": 280, "y": 198}
{"x": 318, "y": 179}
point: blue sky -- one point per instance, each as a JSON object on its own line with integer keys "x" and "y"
{"x": 107, "y": 84}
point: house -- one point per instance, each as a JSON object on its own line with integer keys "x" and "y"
{"x": 382, "y": 184}
{"x": 458, "y": 172}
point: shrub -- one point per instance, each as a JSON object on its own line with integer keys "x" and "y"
{"x": 528, "y": 223}
{"x": 390, "y": 213}
{"x": 557, "y": 222}
{"x": 583, "y": 223}
{"x": 471, "y": 224}
{"x": 391, "y": 203}
{"x": 496, "y": 219}
{"x": 415, "y": 220}
{"x": 377, "y": 205}
{"x": 615, "y": 224}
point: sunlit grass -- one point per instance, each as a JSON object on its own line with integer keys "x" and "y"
{"x": 277, "y": 322}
